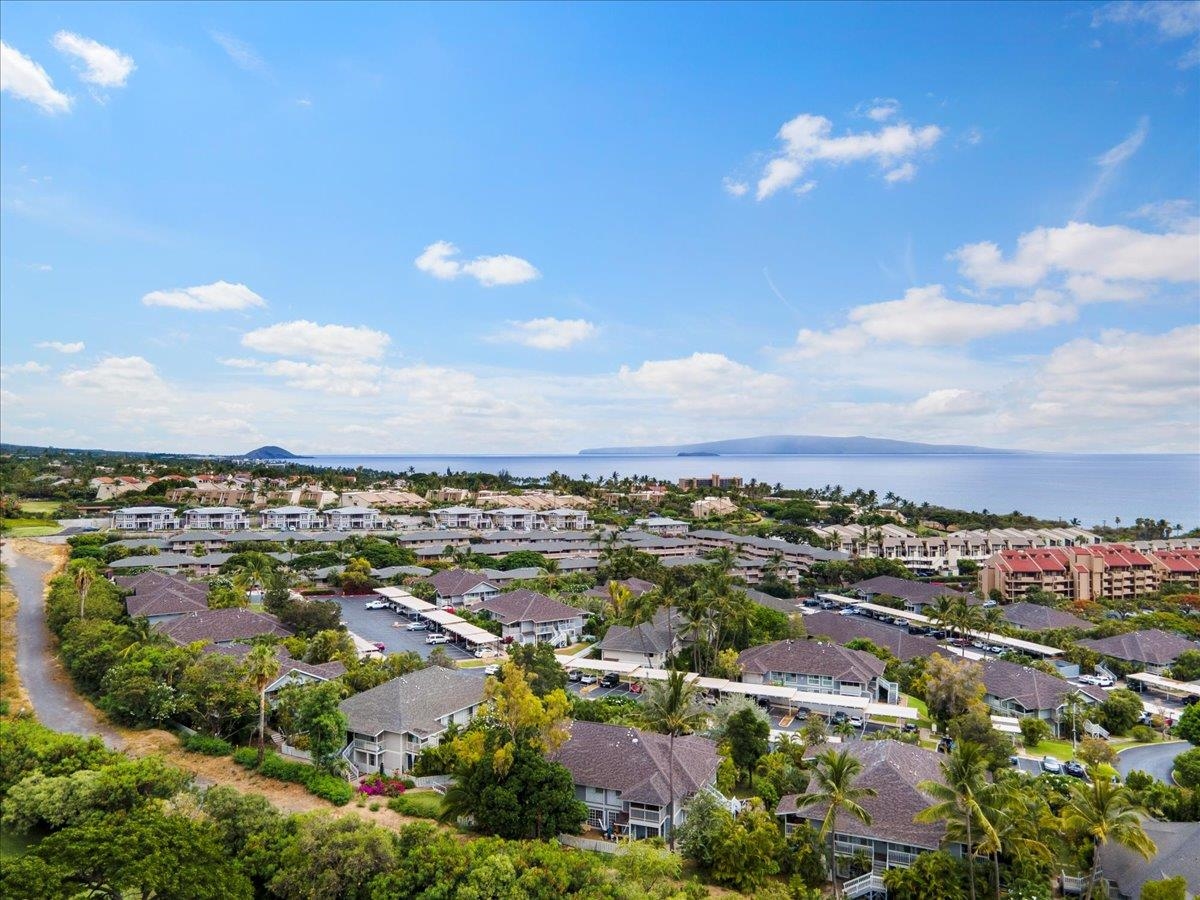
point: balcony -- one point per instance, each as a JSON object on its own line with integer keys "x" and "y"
{"x": 367, "y": 746}
{"x": 647, "y": 816}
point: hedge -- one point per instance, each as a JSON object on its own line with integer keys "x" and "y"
{"x": 207, "y": 744}
{"x": 328, "y": 787}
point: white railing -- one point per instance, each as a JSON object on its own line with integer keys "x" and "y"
{"x": 1077, "y": 884}
{"x": 899, "y": 859}
{"x": 352, "y": 771}
{"x": 871, "y": 883}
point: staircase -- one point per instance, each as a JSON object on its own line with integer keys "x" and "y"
{"x": 870, "y": 884}
{"x": 352, "y": 771}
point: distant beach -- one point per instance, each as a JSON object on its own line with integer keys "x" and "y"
{"x": 1093, "y": 488}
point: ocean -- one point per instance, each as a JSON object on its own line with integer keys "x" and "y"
{"x": 1094, "y": 488}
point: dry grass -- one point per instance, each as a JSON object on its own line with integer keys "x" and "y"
{"x": 11, "y": 690}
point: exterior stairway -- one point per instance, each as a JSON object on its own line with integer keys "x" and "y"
{"x": 870, "y": 884}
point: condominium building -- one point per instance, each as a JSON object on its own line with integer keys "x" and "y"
{"x": 1114, "y": 571}
{"x": 352, "y": 518}
{"x": 145, "y": 518}
{"x": 725, "y": 482}
{"x": 218, "y": 518}
{"x": 291, "y": 518}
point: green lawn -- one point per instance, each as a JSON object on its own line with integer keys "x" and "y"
{"x": 425, "y": 804}
{"x": 40, "y": 507}
{"x": 29, "y": 527}
{"x": 1060, "y": 750}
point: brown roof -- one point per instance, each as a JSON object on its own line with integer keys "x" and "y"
{"x": 1032, "y": 688}
{"x": 222, "y": 625}
{"x": 805, "y": 657}
{"x": 455, "y": 582}
{"x": 895, "y": 770}
{"x": 1153, "y": 646}
{"x": 527, "y": 606}
{"x": 1039, "y": 618}
{"x": 636, "y": 586}
{"x": 637, "y": 763}
{"x": 843, "y": 629}
{"x": 915, "y": 593}
{"x": 324, "y": 671}
{"x": 163, "y": 602}
{"x": 150, "y": 580}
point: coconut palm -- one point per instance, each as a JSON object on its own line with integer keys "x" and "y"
{"x": 262, "y": 667}
{"x": 618, "y": 599}
{"x": 1105, "y": 812}
{"x": 251, "y": 569}
{"x": 1019, "y": 821}
{"x": 833, "y": 777}
{"x": 84, "y": 577}
{"x": 958, "y": 800}
{"x": 672, "y": 707}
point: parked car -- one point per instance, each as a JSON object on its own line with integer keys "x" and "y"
{"x": 1086, "y": 679}
{"x": 838, "y": 718}
{"x": 587, "y": 679}
{"x": 1102, "y": 681}
{"x": 910, "y": 728}
{"x": 485, "y": 653}
{"x": 1051, "y": 766}
{"x": 763, "y": 702}
{"x": 849, "y": 611}
{"x": 1075, "y": 769}
{"x": 574, "y": 675}
{"x": 610, "y": 680}
{"x": 989, "y": 604}
{"x": 375, "y": 604}
{"x": 995, "y": 648}
{"x": 416, "y": 626}
{"x": 945, "y": 745}
{"x": 856, "y": 721}
{"x": 437, "y": 639}
{"x": 493, "y": 669}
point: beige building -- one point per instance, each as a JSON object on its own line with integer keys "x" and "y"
{"x": 1113, "y": 571}
{"x": 713, "y": 506}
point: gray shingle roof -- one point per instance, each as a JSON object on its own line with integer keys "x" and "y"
{"x": 637, "y": 763}
{"x": 523, "y": 605}
{"x": 455, "y": 582}
{"x": 1177, "y": 844}
{"x": 413, "y": 702}
{"x": 1153, "y": 646}
{"x": 164, "y": 602}
{"x": 843, "y": 629}
{"x": 324, "y": 671}
{"x": 914, "y": 592}
{"x": 806, "y": 657}
{"x": 1033, "y": 689}
{"x": 895, "y": 770}
{"x": 635, "y": 586}
{"x": 1038, "y": 618}
{"x": 222, "y": 625}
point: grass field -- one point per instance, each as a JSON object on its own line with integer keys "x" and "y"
{"x": 424, "y": 804}
{"x": 40, "y": 507}
{"x": 29, "y": 527}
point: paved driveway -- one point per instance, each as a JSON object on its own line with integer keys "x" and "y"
{"x": 49, "y": 688}
{"x": 1153, "y": 759}
{"x": 376, "y": 625}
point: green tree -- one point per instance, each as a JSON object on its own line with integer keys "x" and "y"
{"x": 539, "y": 661}
{"x": 1186, "y": 666}
{"x": 1120, "y": 711}
{"x": 747, "y": 850}
{"x": 957, "y": 801}
{"x": 671, "y": 707}
{"x": 262, "y": 668}
{"x": 333, "y": 858}
{"x": 214, "y": 696}
{"x": 701, "y": 829}
{"x": 951, "y": 688}
{"x": 1173, "y": 888}
{"x": 747, "y": 732}
{"x": 521, "y": 559}
{"x": 1188, "y": 726}
{"x": 1033, "y": 731}
{"x": 832, "y": 786}
{"x": 932, "y": 876}
{"x": 1187, "y": 768}
{"x": 225, "y": 594}
{"x": 311, "y": 710}
{"x": 329, "y": 645}
{"x": 1103, "y": 812}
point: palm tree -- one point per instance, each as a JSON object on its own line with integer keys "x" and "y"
{"x": 834, "y": 773}
{"x": 262, "y": 667}
{"x": 1073, "y": 709}
{"x": 672, "y": 707}
{"x": 1106, "y": 812}
{"x": 252, "y": 569}
{"x": 552, "y": 569}
{"x": 84, "y": 576}
{"x": 1018, "y": 820}
{"x": 618, "y": 599}
{"x": 958, "y": 800}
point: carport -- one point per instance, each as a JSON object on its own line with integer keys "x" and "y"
{"x": 472, "y": 634}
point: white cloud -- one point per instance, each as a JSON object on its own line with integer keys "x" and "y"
{"x": 1110, "y": 163}
{"x": 218, "y": 296}
{"x": 350, "y": 379}
{"x": 24, "y": 78}
{"x": 1172, "y": 19}
{"x": 1110, "y": 252}
{"x": 905, "y": 172}
{"x": 61, "y": 346}
{"x": 547, "y": 333}
{"x": 25, "y": 368}
{"x": 103, "y": 66}
{"x": 119, "y": 376}
{"x": 40, "y": 267}
{"x": 1172, "y": 215}
{"x": 927, "y": 317}
{"x": 734, "y": 188}
{"x": 708, "y": 383}
{"x": 880, "y": 109}
{"x": 951, "y": 402}
{"x": 972, "y": 136}
{"x": 324, "y": 342}
{"x": 242, "y": 53}
{"x": 808, "y": 140}
{"x": 438, "y": 260}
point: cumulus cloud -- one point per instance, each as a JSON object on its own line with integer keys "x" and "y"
{"x": 1110, "y": 162}
{"x": 735, "y": 187}
{"x": 24, "y": 78}
{"x": 809, "y": 140}
{"x": 1171, "y": 20}
{"x": 880, "y": 109}
{"x": 350, "y": 379}
{"x": 61, "y": 346}
{"x": 708, "y": 383}
{"x": 1109, "y": 252}
{"x": 25, "y": 368}
{"x": 103, "y": 66}
{"x": 438, "y": 260}
{"x": 547, "y": 333}
{"x": 324, "y": 342}
{"x": 925, "y": 316}
{"x": 215, "y": 297}
{"x": 951, "y": 402}
{"x": 118, "y": 376}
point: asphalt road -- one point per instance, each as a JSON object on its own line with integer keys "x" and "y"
{"x": 49, "y": 688}
{"x": 376, "y": 625}
{"x": 1153, "y": 759}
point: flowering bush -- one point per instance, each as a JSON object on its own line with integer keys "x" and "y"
{"x": 377, "y": 785}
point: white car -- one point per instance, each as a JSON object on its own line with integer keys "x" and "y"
{"x": 587, "y": 679}
{"x": 416, "y": 626}
{"x": 485, "y": 653}
{"x": 375, "y": 604}
{"x": 493, "y": 669}
{"x": 856, "y": 721}
{"x": 1086, "y": 679}
{"x": 437, "y": 639}
{"x": 849, "y": 611}
{"x": 1102, "y": 681}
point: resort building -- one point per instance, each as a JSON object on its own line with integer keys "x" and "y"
{"x": 352, "y": 518}
{"x": 291, "y": 518}
{"x": 466, "y": 517}
{"x": 726, "y": 482}
{"x": 1113, "y": 571}
{"x": 216, "y": 518}
{"x": 145, "y": 518}
{"x": 528, "y": 617}
{"x": 817, "y": 667}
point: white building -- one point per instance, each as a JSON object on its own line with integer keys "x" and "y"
{"x": 460, "y": 517}
{"x": 662, "y": 525}
{"x": 145, "y": 518}
{"x": 567, "y": 519}
{"x": 291, "y": 518}
{"x": 527, "y": 617}
{"x": 216, "y": 518}
{"x": 351, "y": 518}
{"x": 513, "y": 518}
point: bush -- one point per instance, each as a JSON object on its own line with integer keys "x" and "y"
{"x": 246, "y": 756}
{"x": 328, "y": 787}
{"x": 422, "y": 805}
{"x": 378, "y": 785}
{"x": 275, "y": 766}
{"x": 207, "y": 744}
{"x": 1143, "y": 734}
{"x": 1034, "y": 731}
{"x": 1187, "y": 769}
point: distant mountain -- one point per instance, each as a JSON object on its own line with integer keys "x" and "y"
{"x": 270, "y": 452}
{"x": 794, "y": 445}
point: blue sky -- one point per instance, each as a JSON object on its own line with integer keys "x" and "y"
{"x": 969, "y": 223}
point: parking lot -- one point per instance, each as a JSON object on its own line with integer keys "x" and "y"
{"x": 375, "y": 625}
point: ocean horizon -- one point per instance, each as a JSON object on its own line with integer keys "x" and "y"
{"x": 1096, "y": 489}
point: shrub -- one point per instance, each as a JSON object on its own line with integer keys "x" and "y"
{"x": 328, "y": 787}
{"x": 207, "y": 744}
{"x": 246, "y": 756}
{"x": 1143, "y": 734}
{"x": 378, "y": 785}
{"x": 1187, "y": 769}
{"x": 421, "y": 805}
{"x": 275, "y": 766}
{"x": 1034, "y": 731}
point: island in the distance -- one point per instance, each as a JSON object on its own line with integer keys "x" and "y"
{"x": 794, "y": 445}
{"x": 270, "y": 452}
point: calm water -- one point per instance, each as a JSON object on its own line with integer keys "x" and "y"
{"x": 1093, "y": 488}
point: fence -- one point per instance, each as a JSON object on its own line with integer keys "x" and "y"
{"x": 582, "y": 843}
